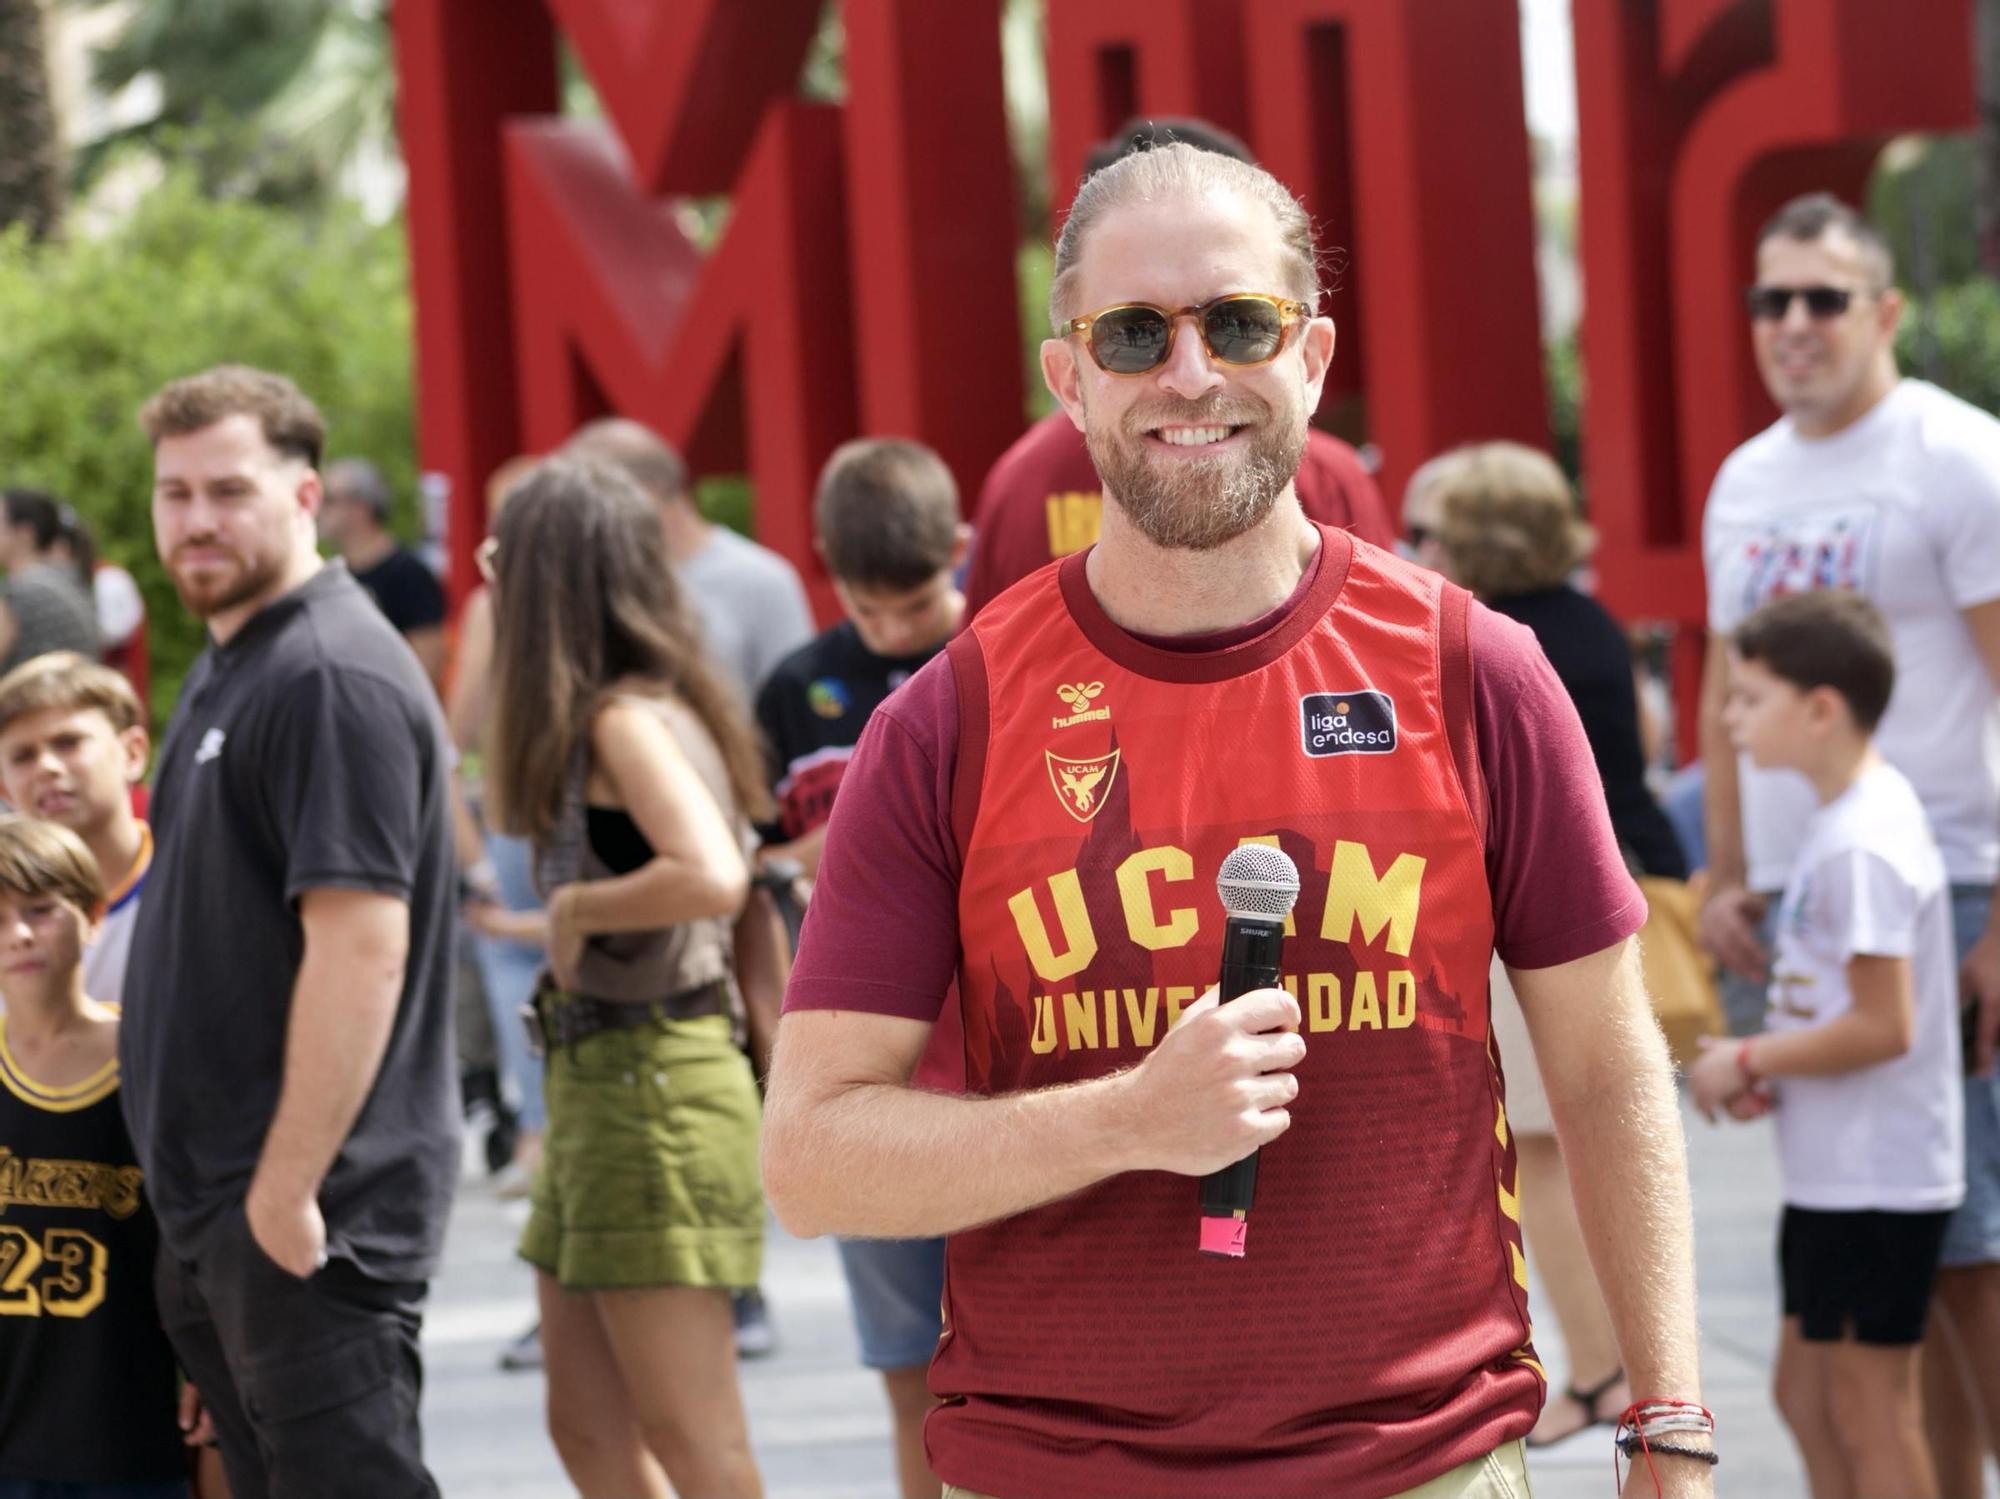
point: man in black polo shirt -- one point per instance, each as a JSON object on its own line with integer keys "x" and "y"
{"x": 287, "y": 1055}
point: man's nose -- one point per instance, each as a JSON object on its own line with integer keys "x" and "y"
{"x": 1189, "y": 372}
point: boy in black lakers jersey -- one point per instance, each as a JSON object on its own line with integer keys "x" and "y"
{"x": 87, "y": 1379}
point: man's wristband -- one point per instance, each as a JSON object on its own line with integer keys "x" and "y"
{"x": 1631, "y": 1446}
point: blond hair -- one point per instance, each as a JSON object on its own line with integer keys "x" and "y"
{"x": 67, "y": 683}
{"x": 40, "y": 858}
{"x": 1508, "y": 521}
{"x": 1184, "y": 171}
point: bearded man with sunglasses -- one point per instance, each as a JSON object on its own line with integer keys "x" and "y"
{"x": 1043, "y": 498}
{"x": 1038, "y": 816}
{"x": 1889, "y": 487}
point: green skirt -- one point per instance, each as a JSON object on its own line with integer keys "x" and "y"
{"x": 649, "y": 1166}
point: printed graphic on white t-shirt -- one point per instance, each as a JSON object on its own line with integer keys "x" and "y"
{"x": 1869, "y": 882}
{"x": 1903, "y": 506}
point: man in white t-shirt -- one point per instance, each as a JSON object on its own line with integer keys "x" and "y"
{"x": 1861, "y": 1048}
{"x": 1891, "y": 488}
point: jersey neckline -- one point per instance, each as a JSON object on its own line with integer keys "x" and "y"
{"x": 1336, "y": 555}
{"x": 65, "y": 1098}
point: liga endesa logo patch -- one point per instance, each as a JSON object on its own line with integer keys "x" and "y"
{"x": 1347, "y": 723}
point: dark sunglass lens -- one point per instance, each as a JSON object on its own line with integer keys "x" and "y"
{"x": 1827, "y": 301}
{"x": 1129, "y": 340}
{"x": 1768, "y": 301}
{"x": 1243, "y": 330}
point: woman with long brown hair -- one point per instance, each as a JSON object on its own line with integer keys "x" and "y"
{"x": 635, "y": 775}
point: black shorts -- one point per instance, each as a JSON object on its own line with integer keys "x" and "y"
{"x": 1865, "y": 1275}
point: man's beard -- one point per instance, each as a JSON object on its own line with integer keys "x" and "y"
{"x": 220, "y": 591}
{"x": 1198, "y": 504}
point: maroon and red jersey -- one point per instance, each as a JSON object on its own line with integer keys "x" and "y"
{"x": 1376, "y": 1334}
{"x": 1043, "y": 500}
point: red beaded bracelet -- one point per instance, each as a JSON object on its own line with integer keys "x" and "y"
{"x": 1750, "y": 1074}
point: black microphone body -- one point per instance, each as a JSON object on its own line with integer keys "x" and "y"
{"x": 1252, "y": 949}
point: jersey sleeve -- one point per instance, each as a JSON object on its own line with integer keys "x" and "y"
{"x": 1561, "y": 890}
{"x": 889, "y": 849}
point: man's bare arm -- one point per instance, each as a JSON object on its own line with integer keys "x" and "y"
{"x": 1610, "y": 1086}
{"x": 344, "y": 1002}
{"x": 850, "y": 1148}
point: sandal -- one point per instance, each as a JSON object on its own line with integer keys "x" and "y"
{"x": 1586, "y": 1401}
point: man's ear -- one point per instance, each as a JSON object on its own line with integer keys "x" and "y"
{"x": 1063, "y": 377}
{"x": 311, "y": 493}
{"x": 1889, "y": 314}
{"x": 1316, "y": 343}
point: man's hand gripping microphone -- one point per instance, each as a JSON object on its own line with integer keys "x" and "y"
{"x": 1258, "y": 885}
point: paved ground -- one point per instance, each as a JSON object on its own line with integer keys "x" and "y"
{"x": 821, "y": 1429}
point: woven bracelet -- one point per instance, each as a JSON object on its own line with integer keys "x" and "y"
{"x": 1632, "y": 1445}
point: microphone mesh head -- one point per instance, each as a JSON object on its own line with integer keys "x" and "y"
{"x": 1257, "y": 880}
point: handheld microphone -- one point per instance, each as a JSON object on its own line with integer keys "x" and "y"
{"x": 1258, "y": 885}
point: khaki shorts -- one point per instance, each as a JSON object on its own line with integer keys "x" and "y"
{"x": 649, "y": 1167}
{"x": 1501, "y": 1474}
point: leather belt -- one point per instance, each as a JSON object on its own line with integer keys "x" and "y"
{"x": 557, "y": 1018}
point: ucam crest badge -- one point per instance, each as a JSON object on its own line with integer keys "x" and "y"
{"x": 1082, "y": 785}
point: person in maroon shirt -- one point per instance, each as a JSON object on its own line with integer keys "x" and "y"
{"x": 1208, "y": 571}
{"x": 1042, "y": 498}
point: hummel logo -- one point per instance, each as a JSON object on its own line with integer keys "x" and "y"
{"x": 210, "y": 747}
{"x": 1078, "y": 697}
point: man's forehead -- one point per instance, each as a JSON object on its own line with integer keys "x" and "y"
{"x": 1833, "y": 251}
{"x": 1180, "y": 249}
{"x": 234, "y": 443}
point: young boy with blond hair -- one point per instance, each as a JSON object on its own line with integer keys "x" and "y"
{"x": 73, "y": 744}
{"x": 87, "y": 1378}
{"x": 1860, "y": 1055}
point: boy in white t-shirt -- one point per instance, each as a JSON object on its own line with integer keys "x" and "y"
{"x": 1861, "y": 1054}
{"x": 73, "y": 744}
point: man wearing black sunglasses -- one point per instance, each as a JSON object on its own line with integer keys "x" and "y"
{"x": 1043, "y": 498}
{"x": 1038, "y": 816}
{"x": 1889, "y": 487}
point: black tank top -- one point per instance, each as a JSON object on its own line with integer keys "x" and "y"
{"x": 87, "y": 1379}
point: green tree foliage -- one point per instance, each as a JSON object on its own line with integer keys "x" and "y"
{"x": 1964, "y": 327}
{"x": 89, "y": 329}
{"x": 266, "y": 99}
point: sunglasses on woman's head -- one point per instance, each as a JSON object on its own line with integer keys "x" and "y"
{"x": 1241, "y": 329}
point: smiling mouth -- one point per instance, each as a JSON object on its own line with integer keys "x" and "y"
{"x": 1193, "y": 437}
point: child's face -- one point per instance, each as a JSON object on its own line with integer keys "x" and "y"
{"x": 903, "y": 621}
{"x": 42, "y": 939}
{"x": 70, "y": 766}
{"x": 1769, "y": 719}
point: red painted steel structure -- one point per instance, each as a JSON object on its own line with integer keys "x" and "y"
{"x": 865, "y": 280}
